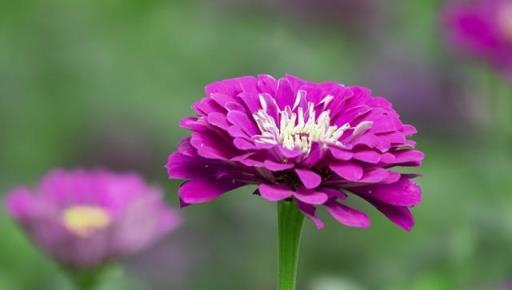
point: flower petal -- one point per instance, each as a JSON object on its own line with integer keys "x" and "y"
{"x": 309, "y": 178}
{"x": 341, "y": 154}
{"x": 207, "y": 106}
{"x": 267, "y": 84}
{"x": 219, "y": 120}
{"x": 348, "y": 216}
{"x": 274, "y": 166}
{"x": 181, "y": 166}
{"x": 241, "y": 120}
{"x": 232, "y": 86}
{"x": 405, "y": 192}
{"x": 310, "y": 212}
{"x": 399, "y": 215}
{"x": 289, "y": 153}
{"x": 284, "y": 95}
{"x": 20, "y": 202}
{"x": 203, "y": 190}
{"x": 211, "y": 144}
{"x": 310, "y": 196}
{"x": 409, "y": 158}
{"x": 185, "y": 148}
{"x": 186, "y": 167}
{"x": 275, "y": 192}
{"x": 348, "y": 171}
{"x": 316, "y": 154}
{"x": 375, "y": 175}
{"x": 392, "y": 177}
{"x": 368, "y": 156}
{"x": 334, "y": 193}
{"x": 243, "y": 144}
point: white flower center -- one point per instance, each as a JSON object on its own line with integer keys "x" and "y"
{"x": 298, "y": 129}
{"x": 505, "y": 20}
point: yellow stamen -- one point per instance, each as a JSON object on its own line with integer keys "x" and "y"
{"x": 84, "y": 221}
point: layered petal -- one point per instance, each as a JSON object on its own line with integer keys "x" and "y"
{"x": 273, "y": 192}
{"x": 204, "y": 190}
{"x": 399, "y": 215}
{"x": 311, "y": 196}
{"x": 310, "y": 212}
{"x": 309, "y": 178}
{"x": 404, "y": 192}
{"x": 347, "y": 216}
{"x": 348, "y": 171}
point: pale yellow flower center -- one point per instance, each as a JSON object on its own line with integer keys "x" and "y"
{"x": 505, "y": 20}
{"x": 84, "y": 221}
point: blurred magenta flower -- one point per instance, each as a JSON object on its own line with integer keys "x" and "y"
{"x": 84, "y": 219}
{"x": 482, "y": 29}
{"x": 312, "y": 143}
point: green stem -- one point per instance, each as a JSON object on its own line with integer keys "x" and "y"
{"x": 87, "y": 279}
{"x": 290, "y": 221}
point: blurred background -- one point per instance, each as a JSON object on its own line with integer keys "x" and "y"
{"x": 87, "y": 83}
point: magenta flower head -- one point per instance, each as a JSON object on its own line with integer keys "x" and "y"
{"x": 482, "y": 29}
{"x": 314, "y": 144}
{"x": 85, "y": 219}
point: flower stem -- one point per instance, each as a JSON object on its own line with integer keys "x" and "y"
{"x": 290, "y": 221}
{"x": 87, "y": 279}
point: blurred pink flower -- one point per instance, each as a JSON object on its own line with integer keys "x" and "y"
{"x": 303, "y": 141}
{"x": 87, "y": 218}
{"x": 482, "y": 29}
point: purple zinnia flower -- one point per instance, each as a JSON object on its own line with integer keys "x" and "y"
{"x": 87, "y": 218}
{"x": 313, "y": 143}
{"x": 483, "y": 29}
